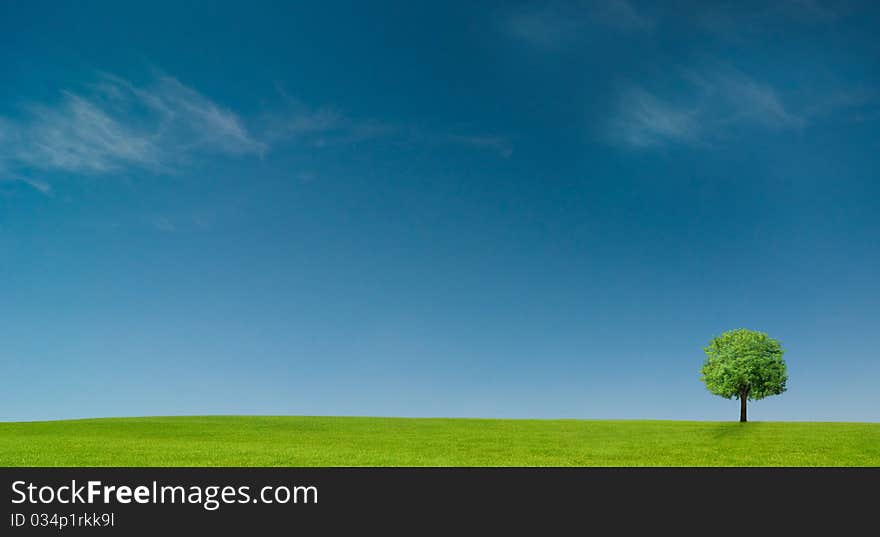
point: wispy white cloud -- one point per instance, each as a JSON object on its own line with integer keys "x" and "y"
{"x": 737, "y": 97}
{"x": 327, "y": 127}
{"x": 644, "y": 120}
{"x": 38, "y": 185}
{"x": 197, "y": 120}
{"x": 115, "y": 125}
{"x": 164, "y": 126}
{"x": 307, "y": 122}
{"x": 496, "y": 144}
{"x": 295, "y": 120}
{"x": 707, "y": 104}
{"x": 78, "y": 135}
{"x": 553, "y": 24}
{"x": 318, "y": 127}
{"x": 7, "y": 176}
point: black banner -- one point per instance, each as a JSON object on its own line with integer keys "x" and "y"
{"x": 253, "y": 501}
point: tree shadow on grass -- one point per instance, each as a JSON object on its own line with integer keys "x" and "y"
{"x": 733, "y": 429}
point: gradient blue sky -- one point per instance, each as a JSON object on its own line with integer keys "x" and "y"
{"x": 513, "y": 210}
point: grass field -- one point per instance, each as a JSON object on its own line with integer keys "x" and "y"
{"x": 329, "y": 441}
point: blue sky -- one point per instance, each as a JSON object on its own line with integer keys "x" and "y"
{"x": 511, "y": 210}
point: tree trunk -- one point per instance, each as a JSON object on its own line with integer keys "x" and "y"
{"x": 742, "y": 407}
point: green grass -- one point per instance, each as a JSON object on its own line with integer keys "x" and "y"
{"x": 338, "y": 441}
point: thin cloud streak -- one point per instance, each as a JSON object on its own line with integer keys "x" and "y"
{"x": 743, "y": 98}
{"x": 707, "y": 104}
{"x": 117, "y": 125}
{"x": 493, "y": 143}
{"x": 39, "y": 186}
{"x": 79, "y": 136}
{"x": 556, "y": 24}
{"x": 644, "y": 120}
{"x": 318, "y": 127}
{"x": 327, "y": 127}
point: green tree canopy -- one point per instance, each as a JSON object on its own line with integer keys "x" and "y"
{"x": 744, "y": 364}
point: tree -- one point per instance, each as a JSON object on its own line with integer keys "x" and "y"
{"x": 744, "y": 364}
